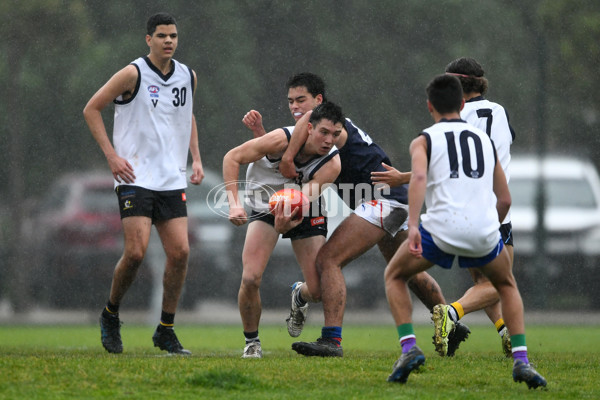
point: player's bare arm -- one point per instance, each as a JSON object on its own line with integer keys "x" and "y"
{"x": 197, "y": 169}
{"x": 416, "y": 193}
{"x": 272, "y": 143}
{"x": 391, "y": 176}
{"x": 503, "y": 198}
{"x": 253, "y": 121}
{"x": 286, "y": 166}
{"x": 121, "y": 84}
{"x": 324, "y": 177}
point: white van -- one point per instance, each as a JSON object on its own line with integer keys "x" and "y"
{"x": 572, "y": 204}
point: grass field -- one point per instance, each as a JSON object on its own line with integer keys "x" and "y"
{"x": 56, "y": 362}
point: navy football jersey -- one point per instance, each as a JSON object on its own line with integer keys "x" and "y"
{"x": 360, "y": 156}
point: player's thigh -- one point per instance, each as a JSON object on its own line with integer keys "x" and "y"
{"x": 306, "y": 253}
{"x": 136, "y": 233}
{"x": 388, "y": 245}
{"x": 352, "y": 238}
{"x": 260, "y": 241}
{"x": 499, "y": 270}
{"x": 511, "y": 253}
{"x": 173, "y": 234}
{"x": 404, "y": 265}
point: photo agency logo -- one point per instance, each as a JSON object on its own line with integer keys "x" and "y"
{"x": 255, "y": 196}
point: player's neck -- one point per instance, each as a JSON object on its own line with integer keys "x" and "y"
{"x": 437, "y": 117}
{"x": 164, "y": 65}
{"x": 469, "y": 96}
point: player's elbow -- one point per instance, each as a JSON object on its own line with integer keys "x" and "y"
{"x": 418, "y": 177}
{"x": 503, "y": 204}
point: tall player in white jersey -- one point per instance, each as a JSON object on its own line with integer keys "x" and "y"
{"x": 154, "y": 128}
{"x": 456, "y": 174}
{"x": 491, "y": 118}
{"x": 318, "y": 164}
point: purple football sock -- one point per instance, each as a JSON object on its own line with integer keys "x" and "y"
{"x": 521, "y": 355}
{"x": 408, "y": 344}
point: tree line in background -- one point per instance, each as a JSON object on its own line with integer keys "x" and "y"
{"x": 540, "y": 56}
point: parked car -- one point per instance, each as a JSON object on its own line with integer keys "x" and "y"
{"x": 571, "y": 222}
{"x": 75, "y": 232}
{"x": 214, "y": 270}
{"x": 76, "y": 236}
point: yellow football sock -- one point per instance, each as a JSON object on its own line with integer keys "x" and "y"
{"x": 459, "y": 309}
{"x": 499, "y": 324}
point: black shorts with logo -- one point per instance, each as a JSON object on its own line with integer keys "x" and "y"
{"x": 136, "y": 201}
{"x": 506, "y": 232}
{"x": 310, "y": 226}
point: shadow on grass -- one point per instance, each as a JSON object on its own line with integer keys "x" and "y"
{"x": 228, "y": 380}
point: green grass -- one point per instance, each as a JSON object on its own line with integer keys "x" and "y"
{"x": 55, "y": 362}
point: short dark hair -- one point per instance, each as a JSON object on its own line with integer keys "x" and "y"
{"x": 313, "y": 83}
{"x": 470, "y": 73}
{"x": 327, "y": 110}
{"x": 161, "y": 18}
{"x": 444, "y": 92}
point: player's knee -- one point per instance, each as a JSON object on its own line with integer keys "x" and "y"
{"x": 179, "y": 256}
{"x": 326, "y": 261}
{"x": 251, "y": 281}
{"x": 133, "y": 258}
{"x": 315, "y": 294}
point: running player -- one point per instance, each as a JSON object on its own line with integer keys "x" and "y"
{"x": 456, "y": 174}
{"x": 318, "y": 164}
{"x": 154, "y": 128}
{"x": 491, "y": 118}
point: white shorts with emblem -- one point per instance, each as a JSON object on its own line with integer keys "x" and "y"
{"x": 387, "y": 214}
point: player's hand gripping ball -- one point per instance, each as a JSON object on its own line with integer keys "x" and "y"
{"x": 292, "y": 200}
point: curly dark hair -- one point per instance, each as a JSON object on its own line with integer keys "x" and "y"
{"x": 470, "y": 73}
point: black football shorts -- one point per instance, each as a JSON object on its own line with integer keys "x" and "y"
{"x": 135, "y": 201}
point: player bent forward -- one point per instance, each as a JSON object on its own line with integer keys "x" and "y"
{"x": 465, "y": 199}
{"x": 318, "y": 164}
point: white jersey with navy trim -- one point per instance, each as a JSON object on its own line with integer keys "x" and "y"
{"x": 492, "y": 118}
{"x": 461, "y": 205}
{"x": 153, "y": 127}
{"x": 263, "y": 177}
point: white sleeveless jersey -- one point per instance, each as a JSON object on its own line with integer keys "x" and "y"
{"x": 263, "y": 177}
{"x": 461, "y": 205}
{"x": 491, "y": 118}
{"x": 152, "y": 129}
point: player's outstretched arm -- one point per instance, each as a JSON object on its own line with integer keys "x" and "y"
{"x": 391, "y": 176}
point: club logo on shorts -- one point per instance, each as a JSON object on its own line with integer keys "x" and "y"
{"x": 317, "y": 221}
{"x": 183, "y": 198}
{"x": 127, "y": 205}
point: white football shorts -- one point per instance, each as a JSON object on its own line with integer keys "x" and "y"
{"x": 389, "y": 215}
